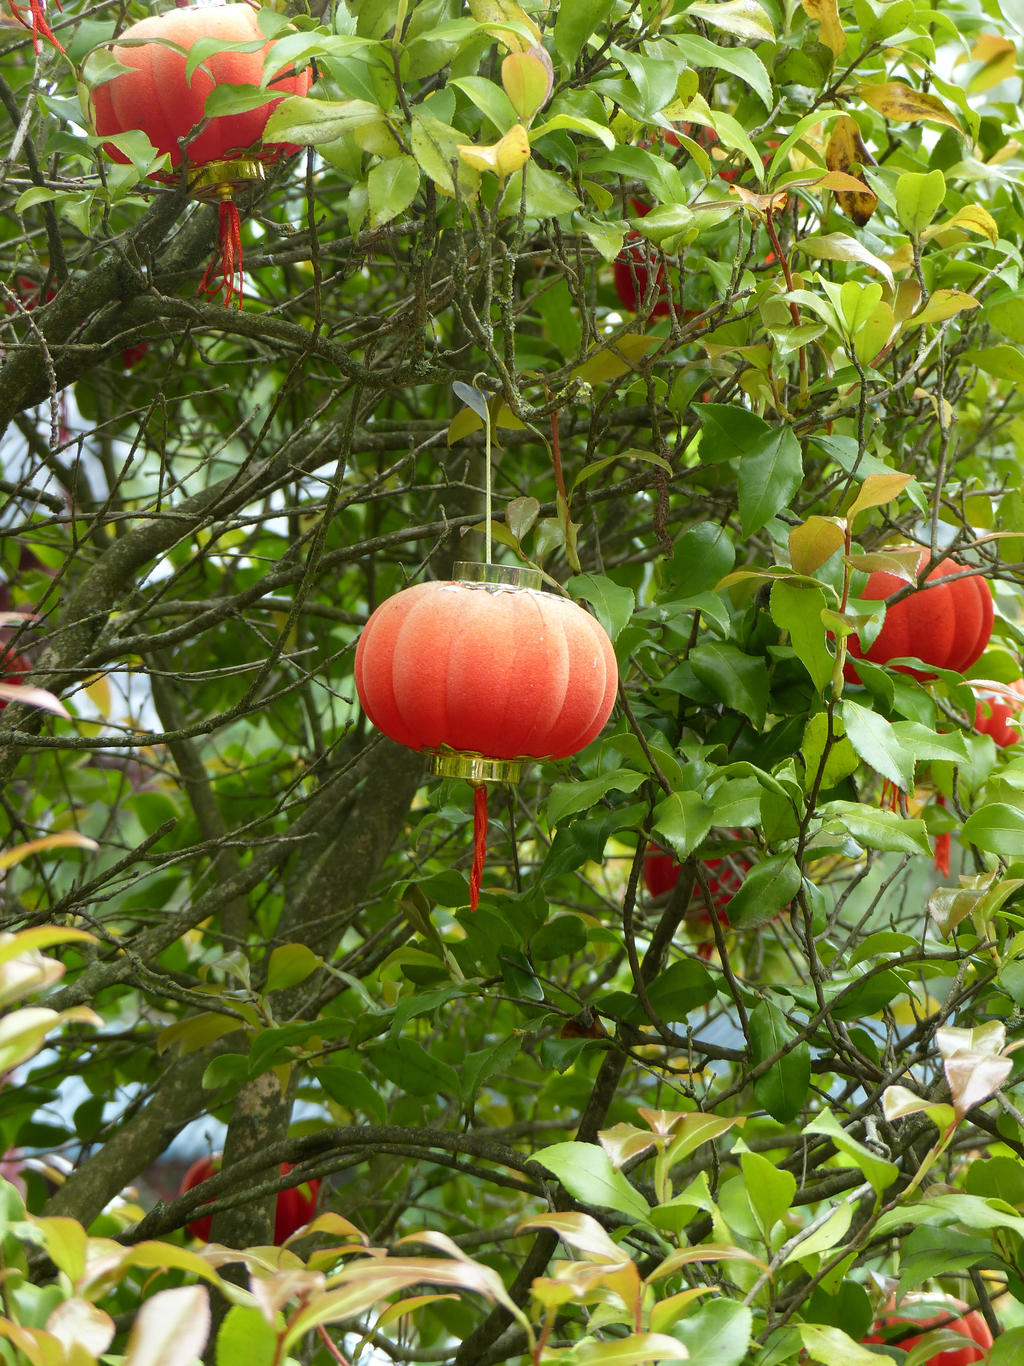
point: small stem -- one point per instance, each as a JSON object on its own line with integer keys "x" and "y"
{"x": 794, "y": 312}
{"x": 556, "y": 458}
{"x": 325, "y": 1338}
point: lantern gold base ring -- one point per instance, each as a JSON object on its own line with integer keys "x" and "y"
{"x": 217, "y": 179}
{"x": 497, "y": 575}
{"x": 475, "y": 768}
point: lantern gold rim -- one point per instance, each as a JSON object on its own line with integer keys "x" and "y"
{"x": 475, "y": 768}
{"x": 497, "y": 575}
{"x": 218, "y": 179}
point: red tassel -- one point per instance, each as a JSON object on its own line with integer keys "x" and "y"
{"x": 942, "y": 846}
{"x": 37, "y": 22}
{"x": 225, "y": 271}
{"x": 479, "y": 844}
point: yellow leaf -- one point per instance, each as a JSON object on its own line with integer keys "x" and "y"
{"x": 943, "y": 304}
{"x": 877, "y": 490}
{"x": 504, "y": 157}
{"x": 66, "y": 839}
{"x": 942, "y": 408}
{"x": 608, "y": 362}
{"x": 503, "y": 13}
{"x": 814, "y": 541}
{"x": 761, "y": 204}
{"x": 825, "y": 13}
{"x": 972, "y": 218}
{"x": 894, "y": 100}
{"x": 98, "y": 692}
{"x": 845, "y": 149}
{"x": 998, "y": 58}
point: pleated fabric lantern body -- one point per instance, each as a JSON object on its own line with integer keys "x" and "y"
{"x": 484, "y": 675}
{"x": 997, "y": 710}
{"x": 227, "y": 154}
{"x": 945, "y": 624}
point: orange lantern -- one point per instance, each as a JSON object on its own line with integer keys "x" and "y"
{"x": 904, "y": 1327}
{"x": 997, "y": 710}
{"x": 483, "y": 673}
{"x": 946, "y": 624}
{"x": 221, "y": 155}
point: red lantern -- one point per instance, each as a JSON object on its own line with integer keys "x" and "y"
{"x": 223, "y": 154}
{"x": 947, "y": 624}
{"x": 294, "y": 1207}
{"x": 725, "y": 877}
{"x": 934, "y": 1311}
{"x": 997, "y": 710}
{"x": 638, "y": 273}
{"x": 12, "y": 668}
{"x": 483, "y": 673}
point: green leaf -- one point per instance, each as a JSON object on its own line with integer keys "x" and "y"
{"x": 797, "y": 608}
{"x": 349, "y": 1086}
{"x": 489, "y": 98}
{"x": 770, "y": 460}
{"x": 409, "y": 1066}
{"x": 878, "y": 744}
{"x": 562, "y": 935}
{"x": 435, "y": 145}
{"x": 575, "y": 23}
{"x": 918, "y": 197}
{"x": 717, "y": 1334}
{"x": 825, "y": 1236}
{"x": 842, "y": 758}
{"x": 742, "y": 18}
{"x": 613, "y": 605}
{"x": 840, "y": 246}
{"x": 392, "y": 186}
{"x": 782, "y": 1090}
{"x": 230, "y": 1069}
{"x": 1002, "y": 361}
{"x": 833, "y": 1347}
{"x": 576, "y": 124}
{"x": 703, "y": 554}
{"x": 480, "y": 1066}
{"x": 290, "y": 964}
{"x": 586, "y": 1172}
{"x": 874, "y": 828}
{"x": 740, "y": 680}
{"x": 312, "y": 122}
{"x": 770, "y": 1190}
{"x": 627, "y": 1351}
{"x": 770, "y": 473}
{"x": 683, "y": 987}
{"x": 997, "y": 829}
{"x": 682, "y": 820}
{"x": 880, "y": 1173}
{"x": 766, "y": 890}
{"x": 741, "y": 62}
{"x": 246, "y": 1337}
{"x": 568, "y": 798}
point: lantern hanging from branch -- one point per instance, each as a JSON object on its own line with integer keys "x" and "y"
{"x": 223, "y": 154}
{"x": 946, "y": 623}
{"x": 484, "y": 673}
{"x": 36, "y": 22}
